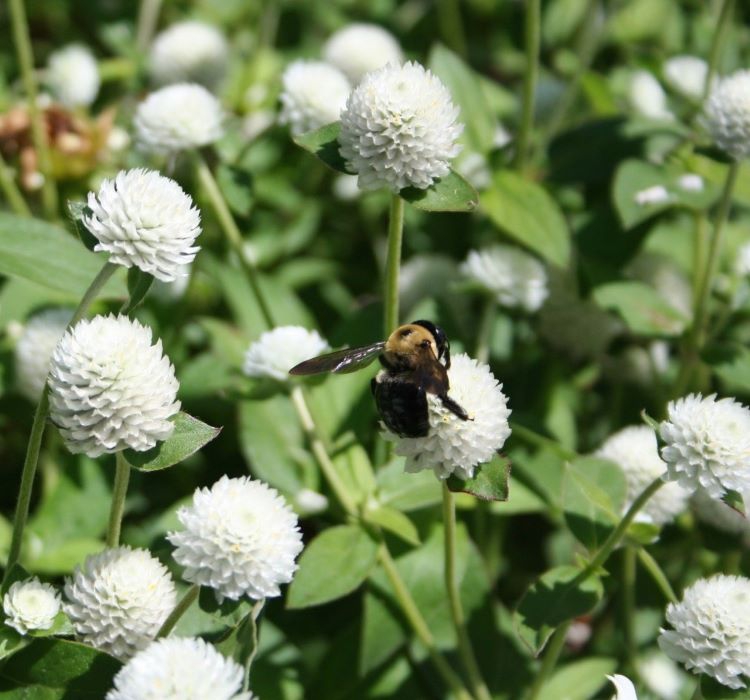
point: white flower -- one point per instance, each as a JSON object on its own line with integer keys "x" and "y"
{"x": 707, "y": 444}
{"x": 179, "y": 669}
{"x": 178, "y": 117}
{"x": 144, "y": 219}
{"x": 360, "y": 48}
{"x": 34, "y": 349}
{"x": 399, "y": 128}
{"x": 624, "y": 687}
{"x": 119, "y": 599}
{"x": 31, "y": 605}
{"x": 742, "y": 266}
{"x": 661, "y": 675}
{"x": 657, "y": 194}
{"x": 309, "y": 502}
{"x": 647, "y": 97}
{"x": 73, "y": 76}
{"x": 110, "y": 389}
{"x": 720, "y": 515}
{"x": 686, "y": 75}
{"x": 345, "y": 188}
{"x": 690, "y": 182}
{"x": 191, "y": 52}
{"x": 277, "y": 351}
{"x": 711, "y": 632}
{"x": 454, "y": 445}
{"x": 635, "y": 450}
{"x": 313, "y": 95}
{"x": 728, "y": 114}
{"x": 240, "y": 538}
{"x": 514, "y": 277}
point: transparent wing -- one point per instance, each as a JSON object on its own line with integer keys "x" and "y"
{"x": 340, "y": 361}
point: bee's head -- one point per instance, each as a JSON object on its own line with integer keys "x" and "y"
{"x": 420, "y": 336}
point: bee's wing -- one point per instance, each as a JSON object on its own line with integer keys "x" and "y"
{"x": 340, "y": 361}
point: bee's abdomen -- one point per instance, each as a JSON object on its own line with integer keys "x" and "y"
{"x": 402, "y": 405}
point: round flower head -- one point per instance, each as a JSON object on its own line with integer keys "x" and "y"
{"x": 34, "y": 350}
{"x": 728, "y": 114}
{"x": 31, "y": 605}
{"x": 179, "y": 669}
{"x": 711, "y": 629}
{"x": 360, "y": 48}
{"x": 240, "y": 538}
{"x": 73, "y": 76}
{"x": 399, "y": 128}
{"x": 144, "y": 219}
{"x": 514, "y": 277}
{"x": 707, "y": 444}
{"x": 277, "y": 351}
{"x": 454, "y": 445}
{"x": 686, "y": 75}
{"x": 110, "y": 388}
{"x": 635, "y": 450}
{"x": 647, "y": 97}
{"x": 192, "y": 52}
{"x": 178, "y": 117}
{"x": 313, "y": 94}
{"x": 119, "y": 599}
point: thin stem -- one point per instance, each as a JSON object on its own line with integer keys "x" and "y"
{"x": 120, "y": 490}
{"x": 37, "y": 432}
{"x": 532, "y": 42}
{"x": 628, "y": 603}
{"x": 451, "y": 25}
{"x": 486, "y": 324}
{"x": 699, "y": 254}
{"x": 255, "y": 614}
{"x": 717, "y": 42}
{"x": 12, "y": 194}
{"x": 393, "y": 262}
{"x": 659, "y": 577}
{"x": 179, "y": 610}
{"x": 25, "y": 55}
{"x": 232, "y": 232}
{"x": 554, "y": 648}
{"x": 465, "y": 649}
{"x": 537, "y": 440}
{"x": 148, "y": 16}
{"x": 418, "y": 624}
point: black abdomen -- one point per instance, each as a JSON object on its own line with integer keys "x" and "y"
{"x": 402, "y": 405}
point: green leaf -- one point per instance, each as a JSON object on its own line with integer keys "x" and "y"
{"x": 579, "y": 680}
{"x": 11, "y": 642}
{"x": 237, "y": 187}
{"x": 713, "y": 690}
{"x": 394, "y": 521}
{"x": 62, "y": 557}
{"x": 46, "y": 254}
{"x": 489, "y": 483}
{"x": 552, "y": 599}
{"x": 524, "y": 211}
{"x": 642, "y": 308}
{"x": 241, "y": 641}
{"x": 594, "y": 492}
{"x": 139, "y": 282}
{"x": 560, "y": 20}
{"x": 407, "y": 492}
{"x": 449, "y": 193}
{"x": 731, "y": 364}
{"x": 76, "y": 212}
{"x": 188, "y": 436}
{"x": 323, "y": 144}
{"x": 333, "y": 565}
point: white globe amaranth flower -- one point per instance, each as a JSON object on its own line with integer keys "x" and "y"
{"x": 399, "y": 128}
{"x": 34, "y": 348}
{"x": 191, "y": 52}
{"x": 686, "y": 75}
{"x": 31, "y": 605}
{"x": 110, "y": 388}
{"x": 240, "y": 539}
{"x": 313, "y": 95}
{"x": 73, "y": 76}
{"x": 624, "y": 688}
{"x": 146, "y": 220}
{"x": 635, "y": 450}
{"x": 647, "y": 97}
{"x": 119, "y": 599}
{"x": 179, "y": 669}
{"x": 711, "y": 629}
{"x": 515, "y": 278}
{"x": 453, "y": 445}
{"x": 360, "y": 48}
{"x": 707, "y": 444}
{"x": 280, "y": 349}
{"x": 178, "y": 117}
{"x": 727, "y": 114}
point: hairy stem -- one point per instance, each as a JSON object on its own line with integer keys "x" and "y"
{"x": 179, "y": 610}
{"x": 120, "y": 490}
{"x": 393, "y": 263}
{"x": 659, "y": 577}
{"x": 532, "y": 36}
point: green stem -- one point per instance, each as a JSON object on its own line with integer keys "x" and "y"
{"x": 660, "y": 578}
{"x": 717, "y": 42}
{"x": 628, "y": 603}
{"x": 452, "y": 26}
{"x": 699, "y": 254}
{"x": 533, "y": 438}
{"x": 37, "y": 432}
{"x": 179, "y": 610}
{"x": 25, "y": 55}
{"x": 418, "y": 624}
{"x": 148, "y": 16}
{"x": 486, "y": 324}
{"x": 554, "y": 648}
{"x": 10, "y": 190}
{"x": 697, "y": 693}
{"x": 232, "y": 232}
{"x": 393, "y": 262}
{"x": 465, "y": 649}
{"x": 255, "y": 614}
{"x": 532, "y": 42}
{"x": 120, "y": 490}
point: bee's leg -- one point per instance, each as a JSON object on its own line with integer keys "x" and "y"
{"x": 454, "y": 408}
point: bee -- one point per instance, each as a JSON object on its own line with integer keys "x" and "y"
{"x": 415, "y": 359}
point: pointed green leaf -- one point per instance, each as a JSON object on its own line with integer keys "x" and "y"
{"x": 713, "y": 690}
{"x": 449, "y": 193}
{"x": 323, "y": 143}
{"x": 76, "y": 212}
{"x": 139, "y": 282}
{"x": 489, "y": 483}
{"x": 394, "y": 521}
{"x": 578, "y": 680}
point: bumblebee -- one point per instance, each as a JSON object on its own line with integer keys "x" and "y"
{"x": 415, "y": 359}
